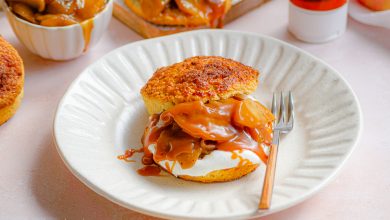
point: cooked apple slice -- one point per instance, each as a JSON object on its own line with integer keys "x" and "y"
{"x": 192, "y": 7}
{"x": 24, "y": 11}
{"x": 252, "y": 114}
{"x": 152, "y": 8}
{"x": 90, "y": 8}
{"x": 60, "y": 7}
{"x": 168, "y": 15}
{"x": 210, "y": 10}
{"x": 55, "y": 20}
{"x": 36, "y": 4}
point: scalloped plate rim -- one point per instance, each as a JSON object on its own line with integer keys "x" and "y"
{"x": 309, "y": 193}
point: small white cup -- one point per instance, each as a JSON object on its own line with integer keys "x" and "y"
{"x": 317, "y": 26}
{"x": 58, "y": 43}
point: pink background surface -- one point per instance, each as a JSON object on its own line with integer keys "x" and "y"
{"x": 35, "y": 184}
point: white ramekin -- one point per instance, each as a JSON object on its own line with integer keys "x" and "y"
{"x": 317, "y": 26}
{"x": 58, "y": 43}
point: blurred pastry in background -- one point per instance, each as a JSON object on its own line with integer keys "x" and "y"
{"x": 55, "y": 13}
{"x": 181, "y": 12}
{"x": 11, "y": 80}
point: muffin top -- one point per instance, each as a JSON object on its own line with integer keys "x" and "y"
{"x": 11, "y": 74}
{"x": 202, "y": 78}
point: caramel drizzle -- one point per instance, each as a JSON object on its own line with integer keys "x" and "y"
{"x": 242, "y": 161}
{"x": 148, "y": 170}
{"x": 170, "y": 168}
{"x": 87, "y": 27}
{"x": 129, "y": 153}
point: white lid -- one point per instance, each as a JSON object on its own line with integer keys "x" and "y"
{"x": 317, "y": 26}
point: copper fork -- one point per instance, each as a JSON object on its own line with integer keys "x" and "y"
{"x": 284, "y": 123}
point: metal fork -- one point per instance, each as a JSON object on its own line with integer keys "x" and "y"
{"x": 284, "y": 123}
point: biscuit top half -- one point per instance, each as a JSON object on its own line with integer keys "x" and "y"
{"x": 203, "y": 78}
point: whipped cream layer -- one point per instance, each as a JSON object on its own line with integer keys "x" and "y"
{"x": 216, "y": 160}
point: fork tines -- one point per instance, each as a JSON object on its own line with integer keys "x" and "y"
{"x": 284, "y": 118}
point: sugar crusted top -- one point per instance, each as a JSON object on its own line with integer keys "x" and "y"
{"x": 202, "y": 78}
{"x": 11, "y": 74}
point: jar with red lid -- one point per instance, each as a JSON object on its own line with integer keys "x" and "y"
{"x": 317, "y": 21}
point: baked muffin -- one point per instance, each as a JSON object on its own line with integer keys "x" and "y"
{"x": 11, "y": 80}
{"x": 203, "y": 127}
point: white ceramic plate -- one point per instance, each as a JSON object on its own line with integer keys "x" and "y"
{"x": 102, "y": 114}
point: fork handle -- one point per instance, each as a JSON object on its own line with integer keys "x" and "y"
{"x": 265, "y": 201}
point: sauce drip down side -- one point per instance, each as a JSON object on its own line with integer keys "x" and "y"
{"x": 147, "y": 170}
{"x": 129, "y": 153}
{"x": 87, "y": 27}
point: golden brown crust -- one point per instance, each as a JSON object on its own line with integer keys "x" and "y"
{"x": 7, "y": 112}
{"x": 222, "y": 175}
{"x": 11, "y": 74}
{"x": 202, "y": 78}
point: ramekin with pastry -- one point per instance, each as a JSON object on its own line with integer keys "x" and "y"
{"x": 11, "y": 80}
{"x": 203, "y": 125}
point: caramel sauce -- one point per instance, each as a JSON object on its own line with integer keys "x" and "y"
{"x": 217, "y": 13}
{"x": 242, "y": 161}
{"x": 170, "y": 168}
{"x": 228, "y": 125}
{"x": 211, "y": 10}
{"x": 151, "y": 8}
{"x": 129, "y": 153}
{"x": 87, "y": 27}
{"x": 167, "y": 167}
{"x": 243, "y": 141}
{"x": 176, "y": 145}
{"x": 149, "y": 170}
{"x": 209, "y": 122}
{"x": 232, "y": 124}
{"x": 56, "y": 13}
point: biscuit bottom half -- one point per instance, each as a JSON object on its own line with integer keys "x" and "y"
{"x": 224, "y": 175}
